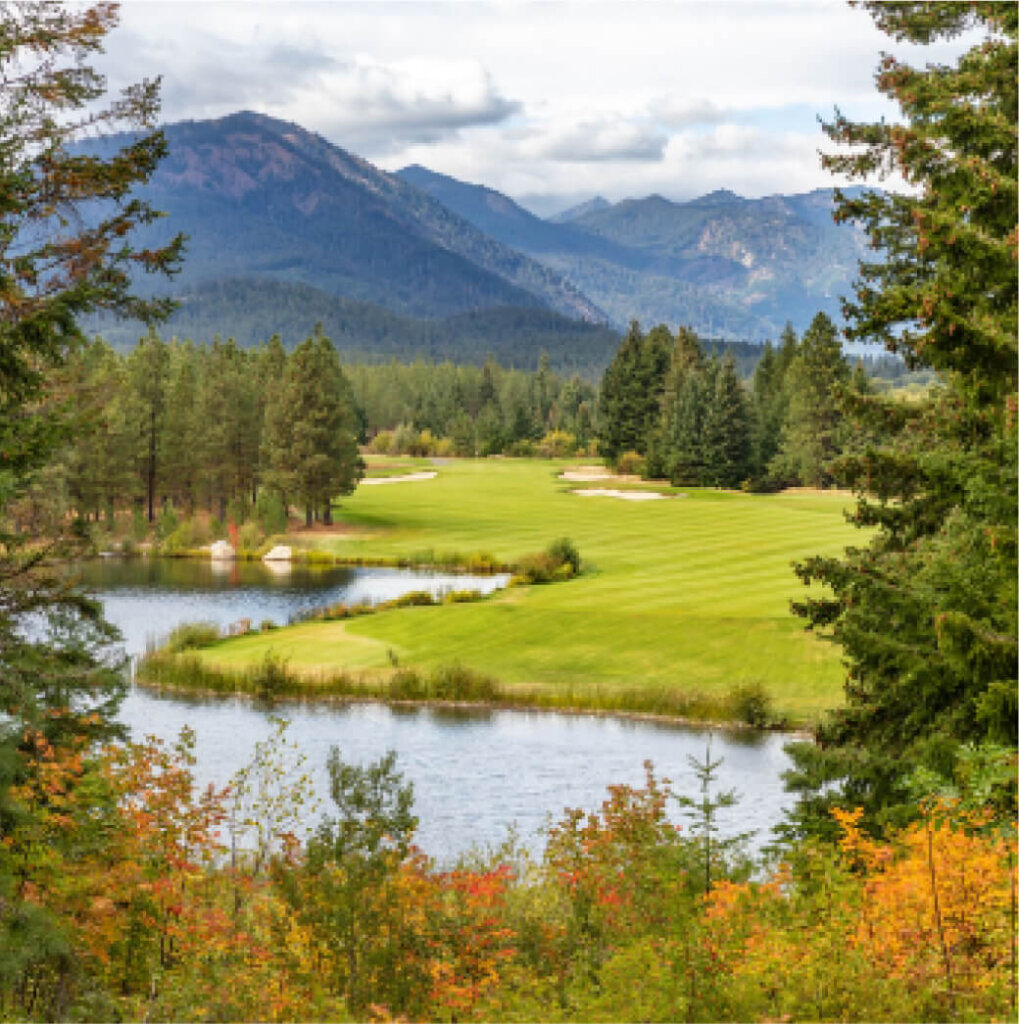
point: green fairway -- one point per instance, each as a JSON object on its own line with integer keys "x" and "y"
{"x": 689, "y": 594}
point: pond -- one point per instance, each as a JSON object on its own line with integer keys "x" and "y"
{"x": 476, "y": 773}
{"x": 147, "y": 597}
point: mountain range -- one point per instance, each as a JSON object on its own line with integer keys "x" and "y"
{"x": 286, "y": 229}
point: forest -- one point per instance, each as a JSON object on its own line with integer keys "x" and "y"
{"x": 890, "y": 891}
{"x": 172, "y": 428}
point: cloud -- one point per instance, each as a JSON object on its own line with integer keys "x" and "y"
{"x": 596, "y": 141}
{"x": 677, "y": 113}
{"x": 387, "y": 105}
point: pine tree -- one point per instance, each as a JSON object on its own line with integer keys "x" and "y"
{"x": 727, "y": 429}
{"x": 310, "y": 424}
{"x": 631, "y": 391}
{"x": 813, "y": 385}
{"x": 925, "y": 613}
{"x": 59, "y": 685}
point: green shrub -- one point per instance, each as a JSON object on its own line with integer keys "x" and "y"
{"x": 139, "y": 525}
{"x": 461, "y": 596}
{"x": 454, "y": 682}
{"x": 381, "y": 443}
{"x": 250, "y": 536}
{"x": 406, "y": 684}
{"x": 266, "y": 625}
{"x": 565, "y": 552}
{"x": 539, "y": 567}
{"x": 751, "y": 703}
{"x": 167, "y": 523}
{"x": 559, "y": 561}
{"x": 270, "y": 512}
{"x": 189, "y": 635}
{"x": 272, "y": 677}
{"x": 557, "y": 444}
{"x": 631, "y": 464}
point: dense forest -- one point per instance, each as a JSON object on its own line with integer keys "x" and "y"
{"x": 126, "y": 893}
{"x": 171, "y": 428}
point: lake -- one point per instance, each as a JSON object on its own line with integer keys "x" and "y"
{"x": 476, "y": 773}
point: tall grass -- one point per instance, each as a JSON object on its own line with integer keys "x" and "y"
{"x": 273, "y": 678}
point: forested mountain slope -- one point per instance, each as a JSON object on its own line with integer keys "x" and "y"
{"x": 259, "y": 197}
{"x": 725, "y": 265}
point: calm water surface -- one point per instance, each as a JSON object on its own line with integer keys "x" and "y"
{"x": 476, "y": 774}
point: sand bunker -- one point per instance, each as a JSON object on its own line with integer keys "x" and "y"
{"x": 407, "y": 478}
{"x": 605, "y": 492}
{"x": 591, "y": 474}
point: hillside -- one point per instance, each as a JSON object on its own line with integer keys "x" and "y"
{"x": 726, "y": 265}
{"x": 251, "y": 310}
{"x": 263, "y": 198}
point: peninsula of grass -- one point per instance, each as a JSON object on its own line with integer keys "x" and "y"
{"x": 682, "y": 602}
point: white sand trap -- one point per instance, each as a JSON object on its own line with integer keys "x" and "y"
{"x": 407, "y": 478}
{"x": 605, "y": 492}
{"x": 592, "y": 474}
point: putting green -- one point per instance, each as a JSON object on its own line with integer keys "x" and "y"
{"x": 689, "y": 594}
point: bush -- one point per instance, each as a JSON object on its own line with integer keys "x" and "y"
{"x": 272, "y": 677}
{"x": 751, "y": 703}
{"x": 189, "y": 635}
{"x": 539, "y": 567}
{"x": 250, "y": 537}
{"x": 631, "y": 464}
{"x": 270, "y": 512}
{"x": 139, "y": 525}
{"x": 381, "y": 443}
{"x": 454, "y": 682}
{"x": 565, "y": 552}
{"x": 406, "y": 684}
{"x": 559, "y": 561}
{"x": 557, "y": 444}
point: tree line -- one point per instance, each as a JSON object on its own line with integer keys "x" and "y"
{"x": 250, "y": 432}
{"x": 671, "y": 410}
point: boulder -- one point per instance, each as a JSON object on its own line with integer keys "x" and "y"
{"x": 222, "y": 551}
{"x": 280, "y": 553}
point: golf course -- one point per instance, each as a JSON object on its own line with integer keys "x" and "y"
{"x": 687, "y": 594}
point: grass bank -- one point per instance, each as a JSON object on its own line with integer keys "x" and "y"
{"x": 680, "y": 600}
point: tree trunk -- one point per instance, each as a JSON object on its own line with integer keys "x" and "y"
{"x": 327, "y": 514}
{"x": 308, "y": 516}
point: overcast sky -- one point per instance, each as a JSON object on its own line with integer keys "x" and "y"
{"x": 551, "y": 103}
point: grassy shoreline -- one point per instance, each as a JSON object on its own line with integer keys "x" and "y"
{"x": 679, "y": 601}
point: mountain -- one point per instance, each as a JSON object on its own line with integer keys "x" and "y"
{"x": 264, "y": 199}
{"x": 726, "y": 265}
{"x": 250, "y": 310}
{"x": 573, "y": 212}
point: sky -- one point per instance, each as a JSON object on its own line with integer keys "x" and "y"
{"x": 551, "y": 103}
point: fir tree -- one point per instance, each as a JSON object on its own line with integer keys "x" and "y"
{"x": 926, "y": 612}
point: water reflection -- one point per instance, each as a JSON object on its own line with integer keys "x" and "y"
{"x": 477, "y": 772}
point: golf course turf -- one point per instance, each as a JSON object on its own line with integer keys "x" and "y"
{"x": 688, "y": 595}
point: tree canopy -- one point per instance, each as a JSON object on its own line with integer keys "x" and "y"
{"x": 926, "y": 612}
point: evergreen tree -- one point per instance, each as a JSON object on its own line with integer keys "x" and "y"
{"x": 59, "y": 685}
{"x": 147, "y": 369}
{"x": 310, "y": 426}
{"x": 925, "y": 613}
{"x": 727, "y": 429}
{"x": 631, "y": 390}
{"x": 813, "y": 384}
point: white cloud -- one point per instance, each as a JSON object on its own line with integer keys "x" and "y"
{"x": 563, "y": 99}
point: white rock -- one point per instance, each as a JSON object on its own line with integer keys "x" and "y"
{"x": 280, "y": 553}
{"x": 222, "y": 551}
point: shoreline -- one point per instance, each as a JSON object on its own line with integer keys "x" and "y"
{"x": 793, "y": 731}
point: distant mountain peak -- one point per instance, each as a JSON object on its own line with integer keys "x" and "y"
{"x": 594, "y": 205}
{"x": 718, "y": 197}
